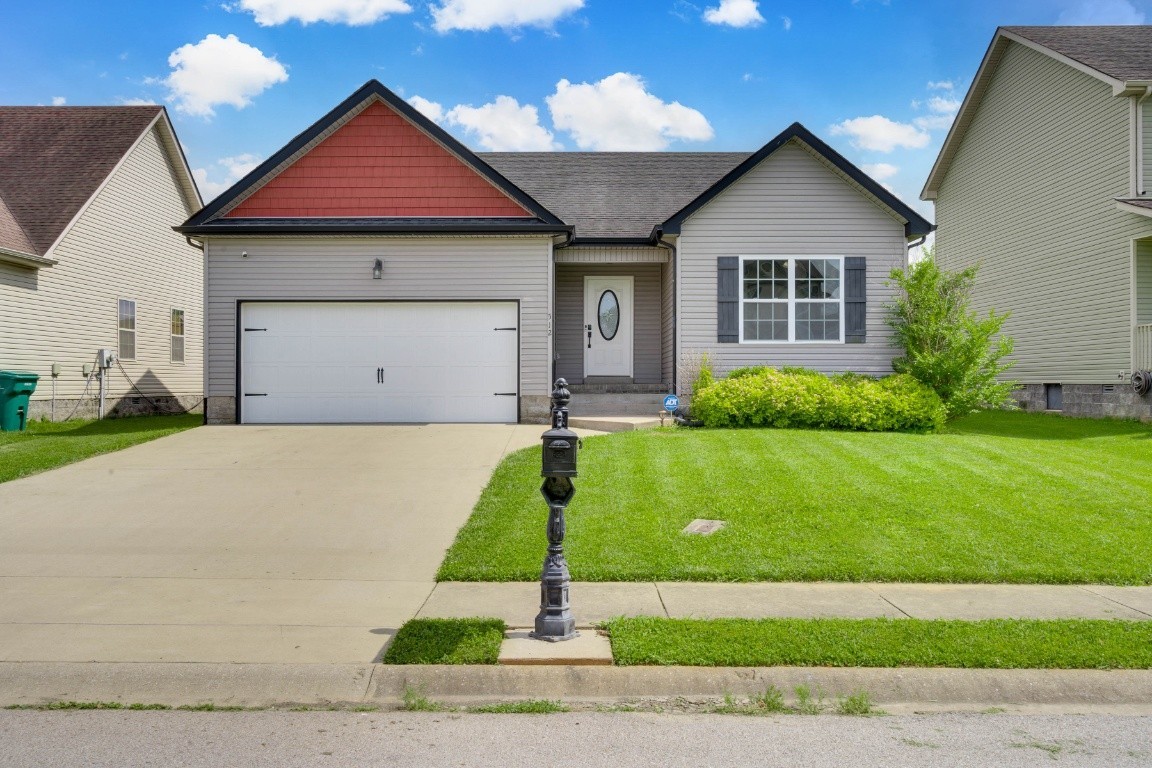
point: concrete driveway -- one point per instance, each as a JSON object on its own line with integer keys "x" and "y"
{"x": 289, "y": 544}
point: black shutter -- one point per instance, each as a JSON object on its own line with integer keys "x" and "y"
{"x": 855, "y": 299}
{"x": 728, "y": 299}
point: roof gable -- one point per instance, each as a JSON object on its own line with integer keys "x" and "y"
{"x": 54, "y": 159}
{"x": 1118, "y": 56}
{"x": 614, "y": 195}
{"x": 915, "y": 225}
{"x": 373, "y": 157}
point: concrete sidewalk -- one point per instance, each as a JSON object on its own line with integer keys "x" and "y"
{"x": 516, "y": 602}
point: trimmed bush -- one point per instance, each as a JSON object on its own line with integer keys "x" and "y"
{"x": 799, "y": 398}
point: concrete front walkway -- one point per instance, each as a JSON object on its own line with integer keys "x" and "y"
{"x": 516, "y": 603}
{"x": 288, "y": 544}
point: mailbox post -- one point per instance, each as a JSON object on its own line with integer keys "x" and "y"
{"x": 555, "y": 621}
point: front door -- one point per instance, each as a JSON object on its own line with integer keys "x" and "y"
{"x": 608, "y": 326}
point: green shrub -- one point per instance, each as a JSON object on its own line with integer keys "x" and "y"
{"x": 946, "y": 345}
{"x": 704, "y": 376}
{"x": 765, "y": 397}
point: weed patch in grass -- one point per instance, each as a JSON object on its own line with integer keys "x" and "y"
{"x": 989, "y": 644}
{"x": 447, "y": 641}
{"x": 859, "y": 703}
{"x": 416, "y": 701}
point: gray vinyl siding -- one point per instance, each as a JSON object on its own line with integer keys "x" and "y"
{"x": 1029, "y": 197}
{"x": 667, "y": 322}
{"x": 121, "y": 247}
{"x": 792, "y": 204}
{"x": 415, "y": 269}
{"x": 1144, "y": 283}
{"x": 647, "y": 362}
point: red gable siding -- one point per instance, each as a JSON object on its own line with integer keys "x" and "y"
{"x": 378, "y": 164}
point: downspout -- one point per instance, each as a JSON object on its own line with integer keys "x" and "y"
{"x": 661, "y": 243}
{"x": 569, "y": 236}
{"x": 1140, "y": 140}
{"x": 191, "y": 242}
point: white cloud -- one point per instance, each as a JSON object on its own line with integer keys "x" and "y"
{"x": 943, "y": 106}
{"x": 137, "y": 102}
{"x": 228, "y": 171}
{"x": 879, "y": 134}
{"x": 1089, "y": 12}
{"x": 943, "y": 113}
{"x": 880, "y": 171}
{"x": 269, "y": 13}
{"x": 618, "y": 114}
{"x": 735, "y": 13}
{"x": 504, "y": 126}
{"x": 59, "y": 101}
{"x": 787, "y": 22}
{"x": 509, "y": 14}
{"x": 219, "y": 70}
{"x": 430, "y": 109}
{"x": 940, "y": 85}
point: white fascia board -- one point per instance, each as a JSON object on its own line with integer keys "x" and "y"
{"x": 91, "y": 198}
{"x": 976, "y": 93}
{"x": 1129, "y": 208}
{"x": 26, "y": 259}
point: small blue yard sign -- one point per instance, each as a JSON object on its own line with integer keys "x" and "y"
{"x": 671, "y": 403}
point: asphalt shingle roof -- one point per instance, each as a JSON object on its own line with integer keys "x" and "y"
{"x": 1121, "y": 52}
{"x": 52, "y": 159}
{"x": 614, "y": 194}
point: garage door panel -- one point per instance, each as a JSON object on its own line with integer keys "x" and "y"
{"x": 318, "y": 362}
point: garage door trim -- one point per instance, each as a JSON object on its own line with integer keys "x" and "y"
{"x": 240, "y": 334}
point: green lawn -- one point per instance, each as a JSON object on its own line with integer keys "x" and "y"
{"x": 991, "y": 644}
{"x": 446, "y": 641}
{"x": 46, "y": 445}
{"x": 998, "y": 497}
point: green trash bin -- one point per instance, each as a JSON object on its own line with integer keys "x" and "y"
{"x": 16, "y": 387}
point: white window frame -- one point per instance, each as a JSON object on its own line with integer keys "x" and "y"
{"x": 792, "y": 300}
{"x": 172, "y": 336}
{"x": 135, "y": 336}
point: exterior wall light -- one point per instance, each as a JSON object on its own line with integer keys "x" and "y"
{"x": 377, "y": 269}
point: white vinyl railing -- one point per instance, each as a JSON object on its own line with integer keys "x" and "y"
{"x": 1142, "y": 348}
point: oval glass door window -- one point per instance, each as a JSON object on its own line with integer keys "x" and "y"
{"x": 608, "y": 315}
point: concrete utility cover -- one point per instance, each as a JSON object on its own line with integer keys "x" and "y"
{"x": 704, "y": 527}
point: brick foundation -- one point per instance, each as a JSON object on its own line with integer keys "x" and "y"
{"x": 1090, "y": 401}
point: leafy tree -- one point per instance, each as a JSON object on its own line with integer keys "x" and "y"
{"x": 946, "y": 346}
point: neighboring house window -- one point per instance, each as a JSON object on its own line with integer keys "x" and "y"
{"x": 127, "y": 325}
{"x": 791, "y": 299}
{"x": 177, "y": 335}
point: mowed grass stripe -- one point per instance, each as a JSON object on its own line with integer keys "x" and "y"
{"x": 1000, "y": 497}
{"x": 990, "y": 644}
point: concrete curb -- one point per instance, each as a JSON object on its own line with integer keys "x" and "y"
{"x": 328, "y": 685}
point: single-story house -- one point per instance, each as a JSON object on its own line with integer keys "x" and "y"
{"x": 89, "y": 261}
{"x": 1043, "y": 182}
{"x": 375, "y": 269}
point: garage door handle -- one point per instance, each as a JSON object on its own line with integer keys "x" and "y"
{"x": 379, "y": 375}
{"x": 513, "y": 328}
{"x": 255, "y": 394}
{"x": 504, "y": 394}
{"x": 255, "y": 329}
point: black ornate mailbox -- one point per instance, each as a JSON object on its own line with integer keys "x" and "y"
{"x": 555, "y": 621}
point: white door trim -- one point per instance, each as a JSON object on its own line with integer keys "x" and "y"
{"x": 602, "y": 356}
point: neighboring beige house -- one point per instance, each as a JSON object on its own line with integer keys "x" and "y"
{"x": 375, "y": 269}
{"x": 1044, "y": 182}
{"x": 89, "y": 261}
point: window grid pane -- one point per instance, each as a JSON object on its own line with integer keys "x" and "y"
{"x": 809, "y": 287}
{"x": 766, "y": 321}
{"x": 177, "y": 322}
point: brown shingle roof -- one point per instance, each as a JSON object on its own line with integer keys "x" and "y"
{"x": 614, "y": 194}
{"x": 52, "y": 159}
{"x": 1121, "y": 52}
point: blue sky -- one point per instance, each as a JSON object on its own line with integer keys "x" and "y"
{"x": 879, "y": 80}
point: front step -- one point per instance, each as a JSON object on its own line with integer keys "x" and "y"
{"x": 616, "y": 404}
{"x": 614, "y": 423}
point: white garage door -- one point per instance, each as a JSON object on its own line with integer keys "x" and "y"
{"x": 347, "y": 362}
